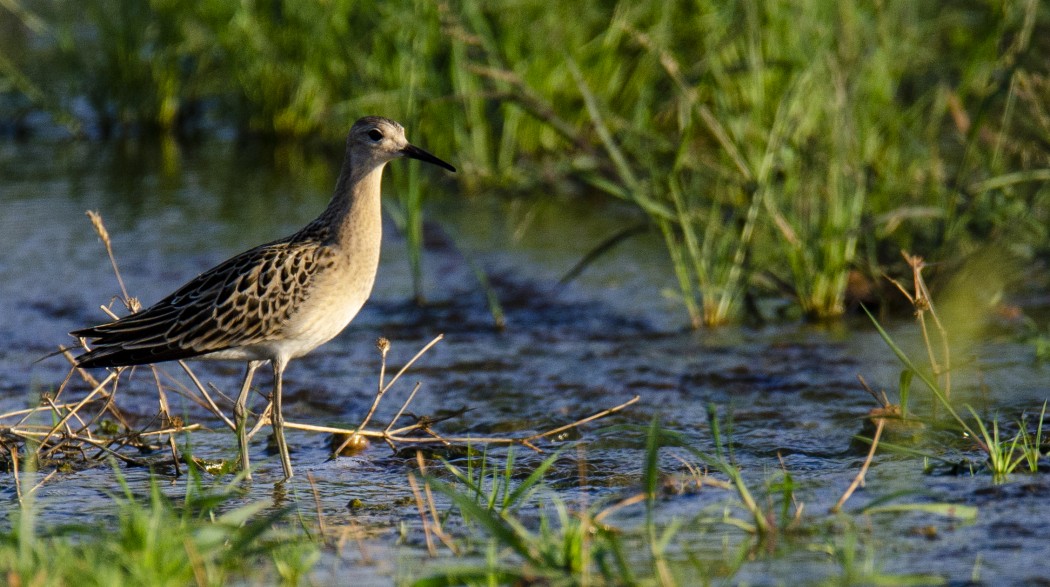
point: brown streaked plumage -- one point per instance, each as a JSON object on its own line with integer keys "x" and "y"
{"x": 280, "y": 300}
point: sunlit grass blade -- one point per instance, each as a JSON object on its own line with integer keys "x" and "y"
{"x": 650, "y": 464}
{"x": 530, "y": 483}
{"x": 923, "y": 376}
{"x": 505, "y": 530}
{"x": 905, "y": 389}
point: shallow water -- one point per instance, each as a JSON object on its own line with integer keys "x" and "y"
{"x": 790, "y": 391}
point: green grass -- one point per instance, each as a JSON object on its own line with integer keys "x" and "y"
{"x": 555, "y": 543}
{"x": 778, "y": 147}
{"x": 936, "y": 372}
{"x": 1005, "y": 456}
{"x": 516, "y": 528}
{"x": 155, "y": 541}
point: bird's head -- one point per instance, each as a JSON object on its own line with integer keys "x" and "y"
{"x": 374, "y": 140}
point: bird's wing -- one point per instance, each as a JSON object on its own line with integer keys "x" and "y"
{"x": 245, "y": 300}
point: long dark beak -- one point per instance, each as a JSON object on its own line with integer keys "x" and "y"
{"x": 416, "y": 153}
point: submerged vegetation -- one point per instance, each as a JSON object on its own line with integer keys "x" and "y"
{"x": 780, "y": 148}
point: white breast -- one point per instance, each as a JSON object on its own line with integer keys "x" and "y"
{"x": 336, "y": 296}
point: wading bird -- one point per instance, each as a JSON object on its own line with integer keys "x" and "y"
{"x": 278, "y": 301}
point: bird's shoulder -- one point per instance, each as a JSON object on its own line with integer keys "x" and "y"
{"x": 243, "y": 300}
{"x": 276, "y": 271}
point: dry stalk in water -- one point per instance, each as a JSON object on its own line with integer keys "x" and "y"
{"x": 431, "y": 550}
{"x": 58, "y": 432}
{"x": 923, "y": 304}
{"x": 422, "y": 431}
{"x": 859, "y": 479}
{"x": 880, "y": 415}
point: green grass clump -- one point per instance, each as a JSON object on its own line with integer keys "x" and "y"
{"x": 520, "y": 530}
{"x": 556, "y": 544}
{"x": 1004, "y": 456}
{"x": 153, "y": 542}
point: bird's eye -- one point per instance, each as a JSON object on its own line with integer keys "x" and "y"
{"x": 375, "y": 135}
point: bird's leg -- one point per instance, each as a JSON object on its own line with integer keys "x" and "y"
{"x": 240, "y": 416}
{"x": 277, "y": 418}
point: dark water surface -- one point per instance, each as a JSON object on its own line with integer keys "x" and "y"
{"x": 567, "y": 352}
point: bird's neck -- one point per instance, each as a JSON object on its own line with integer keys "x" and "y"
{"x": 354, "y": 215}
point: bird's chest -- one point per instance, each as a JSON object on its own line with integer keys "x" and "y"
{"x": 336, "y": 295}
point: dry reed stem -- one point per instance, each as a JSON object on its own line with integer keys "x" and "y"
{"x": 132, "y": 304}
{"x": 67, "y": 431}
{"x": 65, "y": 436}
{"x": 50, "y": 440}
{"x": 204, "y": 392}
{"x": 108, "y": 396}
{"x": 600, "y": 414}
{"x": 922, "y": 301}
{"x": 14, "y": 469}
{"x": 172, "y": 430}
{"x": 107, "y": 407}
{"x": 264, "y": 420}
{"x": 412, "y": 361}
{"x": 431, "y": 550}
{"x": 165, "y": 413}
{"x": 883, "y": 400}
{"x": 79, "y": 405}
{"x": 32, "y": 412}
{"x": 404, "y": 406}
{"x": 859, "y": 479}
{"x": 432, "y": 506}
{"x": 87, "y": 377}
{"x": 623, "y": 503}
{"x": 200, "y": 574}
{"x": 104, "y": 448}
{"x": 353, "y": 529}
{"x": 317, "y": 504}
{"x": 383, "y": 344}
{"x": 41, "y": 483}
{"x": 55, "y": 410}
{"x": 29, "y": 433}
{"x": 397, "y": 436}
{"x": 384, "y": 347}
{"x": 178, "y": 387}
{"x": 65, "y": 382}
